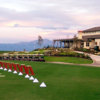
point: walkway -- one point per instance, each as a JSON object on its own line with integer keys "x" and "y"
{"x": 95, "y": 58}
{"x": 94, "y": 65}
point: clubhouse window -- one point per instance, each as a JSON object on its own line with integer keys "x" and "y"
{"x": 87, "y": 44}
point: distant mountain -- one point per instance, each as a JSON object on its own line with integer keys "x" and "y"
{"x": 29, "y": 46}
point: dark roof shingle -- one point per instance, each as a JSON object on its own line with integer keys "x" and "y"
{"x": 92, "y": 29}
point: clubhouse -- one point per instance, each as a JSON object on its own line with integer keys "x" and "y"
{"x": 88, "y": 39}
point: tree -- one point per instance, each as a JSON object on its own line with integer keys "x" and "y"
{"x": 75, "y": 41}
{"x": 40, "y": 40}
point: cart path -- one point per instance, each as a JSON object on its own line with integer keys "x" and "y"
{"x": 91, "y": 65}
{"x": 95, "y": 58}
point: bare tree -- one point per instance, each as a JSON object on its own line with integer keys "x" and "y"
{"x": 40, "y": 40}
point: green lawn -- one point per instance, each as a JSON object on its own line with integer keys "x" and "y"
{"x": 1, "y": 52}
{"x": 64, "y": 82}
{"x": 75, "y": 60}
{"x": 39, "y": 51}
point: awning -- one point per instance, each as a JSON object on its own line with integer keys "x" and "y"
{"x": 86, "y": 38}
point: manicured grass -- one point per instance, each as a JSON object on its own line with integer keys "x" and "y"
{"x": 39, "y": 51}
{"x": 1, "y": 52}
{"x": 64, "y": 82}
{"x": 75, "y": 60}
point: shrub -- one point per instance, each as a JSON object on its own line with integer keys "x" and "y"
{"x": 71, "y": 54}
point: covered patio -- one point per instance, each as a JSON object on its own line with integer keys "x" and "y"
{"x": 68, "y": 43}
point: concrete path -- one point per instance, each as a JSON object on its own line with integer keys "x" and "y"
{"x": 91, "y": 65}
{"x": 95, "y": 58}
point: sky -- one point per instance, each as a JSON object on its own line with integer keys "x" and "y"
{"x": 25, "y": 20}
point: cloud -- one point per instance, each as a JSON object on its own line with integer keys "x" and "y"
{"x": 50, "y": 18}
{"x": 48, "y": 12}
